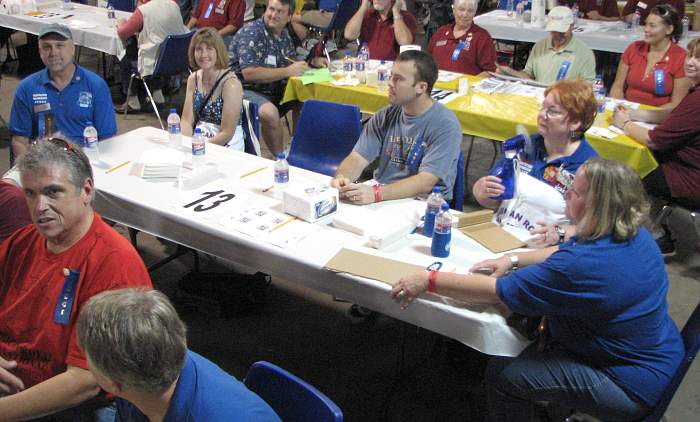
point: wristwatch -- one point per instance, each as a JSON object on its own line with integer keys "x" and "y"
{"x": 561, "y": 232}
{"x": 514, "y": 262}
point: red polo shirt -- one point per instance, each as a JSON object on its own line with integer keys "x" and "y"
{"x": 219, "y": 13}
{"x": 650, "y": 4}
{"x": 379, "y": 34}
{"x": 478, "y": 56}
{"x": 642, "y": 89}
{"x": 607, "y": 8}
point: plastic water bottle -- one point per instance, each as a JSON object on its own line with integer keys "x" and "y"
{"x": 199, "y": 145}
{"x": 599, "y": 93}
{"x": 90, "y": 146}
{"x": 174, "y": 136}
{"x": 575, "y": 13}
{"x": 432, "y": 208}
{"x": 636, "y": 18}
{"x": 509, "y": 8}
{"x": 347, "y": 65}
{"x": 383, "y": 77}
{"x": 67, "y": 5}
{"x": 281, "y": 174}
{"x": 364, "y": 52}
{"x": 111, "y": 15}
{"x": 519, "y": 10}
{"x": 361, "y": 63}
{"x": 442, "y": 233}
{"x": 686, "y": 25}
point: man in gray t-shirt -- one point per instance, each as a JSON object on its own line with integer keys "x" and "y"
{"x": 416, "y": 139}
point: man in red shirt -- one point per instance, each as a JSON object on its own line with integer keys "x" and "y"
{"x": 226, "y": 16}
{"x": 383, "y": 26}
{"x": 48, "y": 270}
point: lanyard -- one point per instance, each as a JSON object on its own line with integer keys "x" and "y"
{"x": 659, "y": 82}
{"x": 64, "y": 305}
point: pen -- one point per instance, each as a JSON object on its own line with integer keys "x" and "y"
{"x": 268, "y": 188}
{"x": 118, "y": 166}
{"x": 253, "y": 172}
{"x": 282, "y": 224}
{"x": 67, "y": 16}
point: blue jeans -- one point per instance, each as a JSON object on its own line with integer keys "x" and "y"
{"x": 84, "y": 413}
{"x": 513, "y": 385}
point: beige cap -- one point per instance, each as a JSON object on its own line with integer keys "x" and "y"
{"x": 559, "y": 19}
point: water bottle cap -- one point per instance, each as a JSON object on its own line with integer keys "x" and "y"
{"x": 382, "y": 62}
{"x": 445, "y": 206}
{"x": 280, "y": 156}
{"x": 436, "y": 189}
{"x": 89, "y": 123}
{"x": 173, "y": 110}
{"x": 348, "y": 54}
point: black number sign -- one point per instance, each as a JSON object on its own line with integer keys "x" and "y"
{"x": 209, "y": 195}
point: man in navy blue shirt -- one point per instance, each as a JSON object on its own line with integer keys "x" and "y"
{"x": 136, "y": 348}
{"x": 64, "y": 97}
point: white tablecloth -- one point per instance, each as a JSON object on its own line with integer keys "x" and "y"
{"x": 89, "y": 26}
{"x": 156, "y": 208}
{"x": 598, "y": 35}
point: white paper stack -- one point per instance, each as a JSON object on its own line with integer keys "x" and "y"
{"x": 161, "y": 165}
{"x": 380, "y": 230}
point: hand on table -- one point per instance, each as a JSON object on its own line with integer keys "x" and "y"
{"x": 409, "y": 287}
{"x": 357, "y": 193}
{"x": 498, "y": 266}
{"x": 9, "y": 383}
{"x": 621, "y": 115}
{"x": 319, "y": 62}
{"x": 297, "y": 68}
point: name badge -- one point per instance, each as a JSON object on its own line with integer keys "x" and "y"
{"x": 42, "y": 107}
{"x": 61, "y": 314}
{"x": 563, "y": 69}
{"x": 271, "y": 60}
{"x": 642, "y": 5}
{"x": 441, "y": 43}
{"x": 458, "y": 49}
{"x": 208, "y": 12}
{"x": 659, "y": 82}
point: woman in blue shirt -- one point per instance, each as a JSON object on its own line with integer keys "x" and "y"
{"x": 612, "y": 346}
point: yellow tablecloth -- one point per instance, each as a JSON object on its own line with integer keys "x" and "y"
{"x": 488, "y": 116}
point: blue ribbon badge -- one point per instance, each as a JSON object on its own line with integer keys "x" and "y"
{"x": 563, "y": 69}
{"x": 659, "y": 82}
{"x": 458, "y": 49}
{"x": 64, "y": 305}
{"x": 415, "y": 156}
{"x": 209, "y": 9}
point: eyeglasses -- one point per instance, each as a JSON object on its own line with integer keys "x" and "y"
{"x": 550, "y": 113}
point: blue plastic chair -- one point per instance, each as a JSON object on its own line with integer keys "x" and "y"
{"x": 457, "y": 202}
{"x": 250, "y": 120}
{"x": 345, "y": 10}
{"x": 324, "y": 136}
{"x": 123, "y": 5}
{"x": 172, "y": 60}
{"x": 691, "y": 340}
{"x": 293, "y": 399}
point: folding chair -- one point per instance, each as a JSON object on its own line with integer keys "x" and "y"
{"x": 457, "y": 202}
{"x": 250, "y": 120}
{"x": 324, "y": 136}
{"x": 345, "y": 10}
{"x": 172, "y": 60}
{"x": 123, "y": 5}
{"x": 293, "y": 399}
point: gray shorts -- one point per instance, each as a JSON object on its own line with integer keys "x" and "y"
{"x": 260, "y": 99}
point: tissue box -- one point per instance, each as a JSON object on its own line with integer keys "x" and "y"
{"x": 310, "y": 203}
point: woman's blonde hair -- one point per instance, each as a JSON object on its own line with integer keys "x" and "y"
{"x": 211, "y": 38}
{"x": 694, "y": 47}
{"x": 616, "y": 203}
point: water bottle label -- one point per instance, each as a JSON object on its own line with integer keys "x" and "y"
{"x": 382, "y": 76}
{"x": 429, "y": 220}
{"x": 198, "y": 148}
{"x": 347, "y": 66}
{"x": 281, "y": 176}
{"x": 440, "y": 246}
{"x": 174, "y": 128}
{"x": 360, "y": 66}
{"x": 90, "y": 141}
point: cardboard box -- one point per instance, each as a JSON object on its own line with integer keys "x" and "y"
{"x": 479, "y": 227}
{"x": 310, "y": 203}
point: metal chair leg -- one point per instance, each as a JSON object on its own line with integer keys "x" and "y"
{"x": 153, "y": 103}
{"x": 467, "y": 160}
{"x": 128, "y": 90}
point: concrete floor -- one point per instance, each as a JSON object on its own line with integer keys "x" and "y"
{"x": 307, "y": 333}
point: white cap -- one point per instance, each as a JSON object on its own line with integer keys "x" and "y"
{"x": 559, "y": 19}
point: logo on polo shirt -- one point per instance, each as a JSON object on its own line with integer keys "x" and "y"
{"x": 85, "y": 99}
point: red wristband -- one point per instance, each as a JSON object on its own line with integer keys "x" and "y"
{"x": 377, "y": 193}
{"x": 432, "y": 281}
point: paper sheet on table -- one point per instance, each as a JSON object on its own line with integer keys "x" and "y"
{"x": 370, "y": 266}
{"x": 316, "y": 75}
{"x": 645, "y": 125}
{"x": 447, "y": 76}
{"x": 442, "y": 96}
{"x": 380, "y": 229}
{"x": 269, "y": 226}
{"x": 611, "y": 103}
{"x": 78, "y": 24}
{"x": 602, "y": 132}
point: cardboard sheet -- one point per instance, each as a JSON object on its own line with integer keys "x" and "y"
{"x": 370, "y": 266}
{"x": 479, "y": 227}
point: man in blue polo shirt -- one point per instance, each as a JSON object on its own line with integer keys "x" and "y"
{"x": 64, "y": 97}
{"x": 162, "y": 381}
